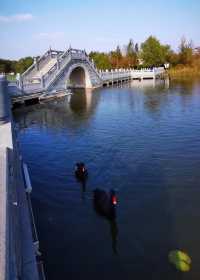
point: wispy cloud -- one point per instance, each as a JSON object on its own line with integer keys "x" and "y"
{"x": 16, "y": 18}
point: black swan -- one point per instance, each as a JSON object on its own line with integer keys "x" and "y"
{"x": 81, "y": 171}
{"x": 105, "y": 203}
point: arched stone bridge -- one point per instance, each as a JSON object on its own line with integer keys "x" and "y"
{"x": 57, "y": 70}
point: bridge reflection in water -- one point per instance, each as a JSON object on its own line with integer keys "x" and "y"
{"x": 60, "y": 112}
{"x": 81, "y": 102}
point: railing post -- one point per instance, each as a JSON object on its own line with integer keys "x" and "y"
{"x": 58, "y": 63}
{"x": 19, "y": 81}
{"x": 36, "y": 63}
{"x": 42, "y": 82}
{"x": 4, "y": 100}
{"x": 50, "y": 52}
{"x": 154, "y": 73}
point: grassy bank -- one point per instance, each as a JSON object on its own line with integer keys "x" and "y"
{"x": 184, "y": 72}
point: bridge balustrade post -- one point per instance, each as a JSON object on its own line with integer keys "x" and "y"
{"x": 50, "y": 52}
{"x": 36, "y": 63}
{"x": 58, "y": 63}
{"x": 42, "y": 82}
{"x": 112, "y": 76}
{"x": 19, "y": 81}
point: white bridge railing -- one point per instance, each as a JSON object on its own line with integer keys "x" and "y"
{"x": 119, "y": 74}
{"x": 115, "y": 74}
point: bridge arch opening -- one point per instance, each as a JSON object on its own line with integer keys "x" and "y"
{"x": 79, "y": 78}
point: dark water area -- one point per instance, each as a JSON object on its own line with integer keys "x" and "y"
{"x": 143, "y": 140}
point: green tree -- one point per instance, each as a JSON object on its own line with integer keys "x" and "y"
{"x": 101, "y": 60}
{"x": 115, "y": 58}
{"x": 131, "y": 54}
{"x": 118, "y": 53}
{"x": 23, "y": 64}
{"x": 172, "y": 58}
{"x": 7, "y": 66}
{"x": 130, "y": 49}
{"x": 136, "y": 48}
{"x": 153, "y": 53}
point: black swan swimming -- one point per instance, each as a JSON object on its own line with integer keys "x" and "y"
{"x": 105, "y": 203}
{"x": 81, "y": 171}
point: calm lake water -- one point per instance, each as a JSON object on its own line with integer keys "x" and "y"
{"x": 143, "y": 140}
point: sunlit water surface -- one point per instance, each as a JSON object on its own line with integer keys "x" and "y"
{"x": 144, "y": 141}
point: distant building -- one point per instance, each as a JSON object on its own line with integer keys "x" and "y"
{"x": 196, "y": 50}
{"x": 140, "y": 61}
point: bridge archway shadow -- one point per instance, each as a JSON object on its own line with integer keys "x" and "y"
{"x": 79, "y": 78}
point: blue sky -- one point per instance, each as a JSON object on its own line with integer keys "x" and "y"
{"x": 29, "y": 27}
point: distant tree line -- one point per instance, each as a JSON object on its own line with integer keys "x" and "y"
{"x": 149, "y": 54}
{"x": 15, "y": 66}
